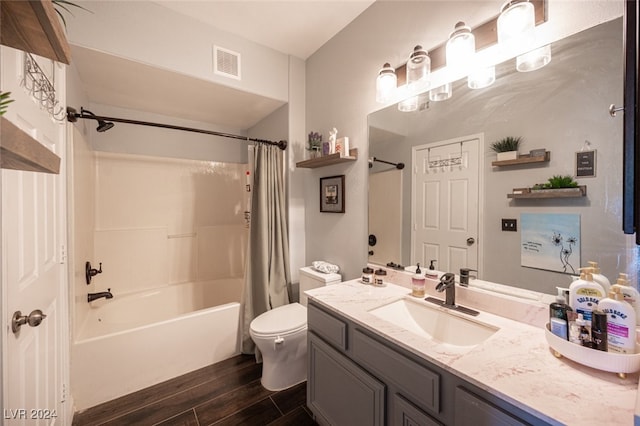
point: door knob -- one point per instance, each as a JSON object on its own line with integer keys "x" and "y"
{"x": 471, "y": 241}
{"x": 34, "y": 319}
{"x": 614, "y": 109}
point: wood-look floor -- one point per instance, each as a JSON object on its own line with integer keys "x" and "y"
{"x": 226, "y": 393}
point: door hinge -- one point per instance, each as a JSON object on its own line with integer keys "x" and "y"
{"x": 63, "y": 254}
{"x": 63, "y": 397}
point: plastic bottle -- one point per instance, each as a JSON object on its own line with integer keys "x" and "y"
{"x": 599, "y": 338}
{"x": 630, "y": 294}
{"x": 598, "y": 277}
{"x": 417, "y": 283}
{"x": 558, "y": 321}
{"x": 584, "y": 331}
{"x": 585, "y": 294}
{"x": 621, "y": 322}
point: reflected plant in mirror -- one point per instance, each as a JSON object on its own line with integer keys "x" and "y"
{"x": 448, "y": 203}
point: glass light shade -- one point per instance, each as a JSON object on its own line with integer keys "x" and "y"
{"x": 386, "y": 83}
{"x": 441, "y": 93}
{"x": 516, "y": 23}
{"x": 481, "y": 78}
{"x": 461, "y": 46}
{"x": 409, "y": 104}
{"x": 418, "y": 69}
{"x": 534, "y": 60}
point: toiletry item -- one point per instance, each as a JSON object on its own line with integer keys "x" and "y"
{"x": 621, "y": 322}
{"x": 630, "y": 294}
{"x": 431, "y": 266}
{"x": 599, "y": 338}
{"x": 379, "y": 276}
{"x": 558, "y": 310}
{"x": 431, "y": 276}
{"x": 417, "y": 283}
{"x": 367, "y": 276}
{"x": 584, "y": 294}
{"x": 584, "y": 331}
{"x": 558, "y": 327}
{"x": 598, "y": 277}
{"x": 574, "y": 329}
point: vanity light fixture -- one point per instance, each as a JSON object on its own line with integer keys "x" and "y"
{"x": 418, "y": 69}
{"x": 516, "y": 23}
{"x": 534, "y": 60}
{"x": 386, "y": 83}
{"x": 408, "y": 105}
{"x": 440, "y": 93}
{"x": 461, "y": 46}
{"x": 481, "y": 77}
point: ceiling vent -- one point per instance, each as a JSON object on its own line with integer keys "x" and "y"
{"x": 226, "y": 62}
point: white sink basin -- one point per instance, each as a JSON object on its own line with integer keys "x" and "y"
{"x": 435, "y": 323}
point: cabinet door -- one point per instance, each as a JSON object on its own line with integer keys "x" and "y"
{"x": 473, "y": 411}
{"x": 339, "y": 392}
{"x": 407, "y": 414}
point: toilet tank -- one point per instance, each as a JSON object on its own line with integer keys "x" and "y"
{"x": 310, "y": 278}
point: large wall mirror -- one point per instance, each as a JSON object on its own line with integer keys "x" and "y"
{"x": 563, "y": 108}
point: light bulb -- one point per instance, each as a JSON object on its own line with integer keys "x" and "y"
{"x": 461, "y": 46}
{"x": 386, "y": 83}
{"x": 418, "y": 69}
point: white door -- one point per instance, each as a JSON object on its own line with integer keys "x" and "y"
{"x": 385, "y": 216}
{"x": 33, "y": 271}
{"x": 445, "y": 204}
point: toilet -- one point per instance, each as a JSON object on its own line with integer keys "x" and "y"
{"x": 281, "y": 335}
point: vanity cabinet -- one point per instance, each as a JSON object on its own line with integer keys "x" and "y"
{"x": 356, "y": 376}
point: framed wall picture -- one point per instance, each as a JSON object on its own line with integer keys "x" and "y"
{"x": 332, "y": 194}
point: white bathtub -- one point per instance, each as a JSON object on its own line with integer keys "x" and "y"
{"x": 134, "y": 341}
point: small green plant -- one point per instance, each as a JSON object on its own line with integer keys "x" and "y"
{"x": 556, "y": 182}
{"x": 509, "y": 143}
{"x": 60, "y": 5}
{"x": 315, "y": 141}
{"x": 5, "y": 100}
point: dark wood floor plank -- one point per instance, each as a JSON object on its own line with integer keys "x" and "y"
{"x": 296, "y": 417}
{"x": 231, "y": 402}
{"x": 117, "y": 407}
{"x": 188, "y": 418}
{"x": 189, "y": 398}
{"x": 290, "y": 399}
{"x": 260, "y": 413}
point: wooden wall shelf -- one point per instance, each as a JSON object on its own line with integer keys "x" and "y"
{"x": 524, "y": 159}
{"x": 328, "y": 160}
{"x": 581, "y": 191}
{"x": 33, "y": 26}
{"x": 19, "y": 151}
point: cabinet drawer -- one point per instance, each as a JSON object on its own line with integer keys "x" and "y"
{"x": 407, "y": 414}
{"x": 328, "y": 327}
{"x": 418, "y": 384}
{"x": 474, "y": 411}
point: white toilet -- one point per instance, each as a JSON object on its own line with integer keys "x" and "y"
{"x": 281, "y": 335}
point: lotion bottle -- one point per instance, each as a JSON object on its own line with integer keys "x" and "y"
{"x": 585, "y": 294}
{"x": 599, "y": 278}
{"x": 630, "y": 294}
{"x": 621, "y": 322}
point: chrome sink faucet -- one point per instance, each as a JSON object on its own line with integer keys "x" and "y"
{"x": 448, "y": 283}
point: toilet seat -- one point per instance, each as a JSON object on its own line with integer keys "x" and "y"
{"x": 281, "y": 321}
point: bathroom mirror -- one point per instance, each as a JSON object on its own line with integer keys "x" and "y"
{"x": 562, "y": 108}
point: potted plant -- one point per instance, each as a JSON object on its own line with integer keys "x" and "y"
{"x": 507, "y": 148}
{"x": 314, "y": 144}
{"x": 557, "y": 183}
{"x": 5, "y": 100}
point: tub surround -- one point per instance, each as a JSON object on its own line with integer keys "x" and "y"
{"x": 515, "y": 363}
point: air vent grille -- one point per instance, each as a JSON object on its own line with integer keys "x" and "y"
{"x": 226, "y": 62}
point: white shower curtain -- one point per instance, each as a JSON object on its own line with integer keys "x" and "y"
{"x": 267, "y": 275}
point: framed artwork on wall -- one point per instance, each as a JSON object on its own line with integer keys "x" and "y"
{"x": 332, "y": 194}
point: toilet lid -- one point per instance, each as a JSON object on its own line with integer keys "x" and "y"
{"x": 280, "y": 320}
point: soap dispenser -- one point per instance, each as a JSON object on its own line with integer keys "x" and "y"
{"x": 629, "y": 293}
{"x": 585, "y": 294}
{"x": 417, "y": 283}
{"x": 599, "y": 278}
{"x": 621, "y": 322}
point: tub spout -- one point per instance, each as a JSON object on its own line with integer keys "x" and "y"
{"x": 93, "y": 296}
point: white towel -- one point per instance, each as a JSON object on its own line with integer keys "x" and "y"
{"x": 326, "y": 267}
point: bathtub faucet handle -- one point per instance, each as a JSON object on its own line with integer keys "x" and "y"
{"x": 91, "y": 272}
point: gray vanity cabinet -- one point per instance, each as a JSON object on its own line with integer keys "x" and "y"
{"x": 358, "y": 377}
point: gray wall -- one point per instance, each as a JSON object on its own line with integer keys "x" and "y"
{"x": 341, "y": 92}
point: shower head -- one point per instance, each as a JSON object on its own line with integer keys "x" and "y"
{"x": 72, "y": 116}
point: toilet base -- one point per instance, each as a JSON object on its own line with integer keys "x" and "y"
{"x": 285, "y": 373}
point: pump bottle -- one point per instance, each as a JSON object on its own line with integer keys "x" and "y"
{"x": 585, "y": 294}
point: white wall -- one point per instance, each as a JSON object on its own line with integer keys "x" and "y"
{"x": 341, "y": 92}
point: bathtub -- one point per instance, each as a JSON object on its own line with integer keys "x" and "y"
{"x": 137, "y": 340}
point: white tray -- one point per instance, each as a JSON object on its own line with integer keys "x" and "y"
{"x": 605, "y": 361}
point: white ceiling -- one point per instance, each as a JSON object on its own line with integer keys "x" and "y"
{"x": 295, "y": 27}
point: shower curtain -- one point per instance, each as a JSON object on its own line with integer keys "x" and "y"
{"x": 267, "y": 271}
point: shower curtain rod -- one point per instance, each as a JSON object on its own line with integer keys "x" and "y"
{"x": 73, "y": 115}
{"x": 398, "y": 166}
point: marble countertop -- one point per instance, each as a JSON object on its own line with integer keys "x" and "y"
{"x": 515, "y": 363}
